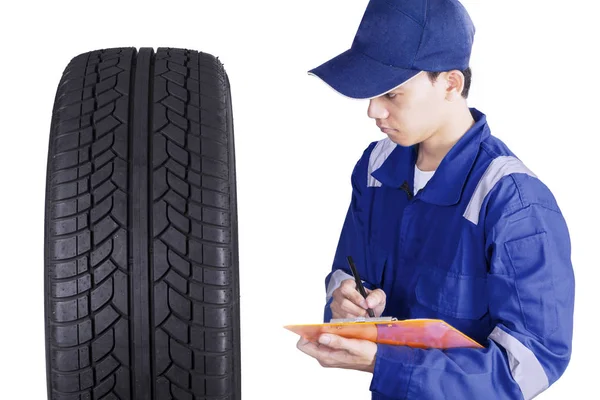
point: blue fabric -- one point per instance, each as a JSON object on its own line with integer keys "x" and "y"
{"x": 395, "y": 40}
{"x": 512, "y": 269}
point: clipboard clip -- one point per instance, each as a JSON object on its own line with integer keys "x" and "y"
{"x": 362, "y": 319}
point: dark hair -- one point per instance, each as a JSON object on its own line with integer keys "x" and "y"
{"x": 467, "y": 73}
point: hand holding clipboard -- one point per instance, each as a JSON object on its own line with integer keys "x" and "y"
{"x": 419, "y": 333}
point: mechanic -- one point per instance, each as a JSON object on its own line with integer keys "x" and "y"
{"x": 445, "y": 222}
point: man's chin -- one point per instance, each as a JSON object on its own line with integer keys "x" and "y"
{"x": 400, "y": 140}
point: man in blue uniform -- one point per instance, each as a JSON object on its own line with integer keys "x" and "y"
{"x": 445, "y": 222}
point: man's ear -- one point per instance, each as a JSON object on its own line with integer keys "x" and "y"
{"x": 455, "y": 83}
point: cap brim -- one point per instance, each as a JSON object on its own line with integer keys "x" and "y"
{"x": 355, "y": 75}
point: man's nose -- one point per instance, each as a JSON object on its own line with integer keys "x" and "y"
{"x": 377, "y": 109}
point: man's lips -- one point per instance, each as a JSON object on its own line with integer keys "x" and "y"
{"x": 385, "y": 129}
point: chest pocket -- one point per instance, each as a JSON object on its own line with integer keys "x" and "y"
{"x": 453, "y": 295}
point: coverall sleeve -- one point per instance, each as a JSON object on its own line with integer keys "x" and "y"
{"x": 352, "y": 241}
{"x": 531, "y": 295}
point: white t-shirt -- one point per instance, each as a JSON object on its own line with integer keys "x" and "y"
{"x": 421, "y": 178}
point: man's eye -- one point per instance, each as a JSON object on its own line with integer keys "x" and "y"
{"x": 391, "y": 95}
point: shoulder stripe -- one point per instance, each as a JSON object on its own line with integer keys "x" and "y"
{"x": 380, "y": 153}
{"x": 498, "y": 169}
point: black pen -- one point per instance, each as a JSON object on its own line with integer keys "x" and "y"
{"x": 359, "y": 284}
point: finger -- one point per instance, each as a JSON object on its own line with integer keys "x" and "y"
{"x": 375, "y": 298}
{"x": 308, "y": 347}
{"x": 326, "y": 356}
{"x": 346, "y": 309}
{"x": 335, "y": 342}
{"x": 323, "y": 354}
{"x": 348, "y": 290}
{"x": 338, "y": 312}
{"x": 349, "y": 308}
{"x": 351, "y": 346}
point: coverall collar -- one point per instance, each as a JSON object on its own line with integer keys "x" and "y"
{"x": 446, "y": 185}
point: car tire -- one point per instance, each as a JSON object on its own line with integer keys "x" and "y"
{"x": 141, "y": 247}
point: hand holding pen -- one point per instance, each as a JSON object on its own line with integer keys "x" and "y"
{"x": 349, "y": 302}
{"x": 359, "y": 285}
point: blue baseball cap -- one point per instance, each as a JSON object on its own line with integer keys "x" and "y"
{"x": 395, "y": 41}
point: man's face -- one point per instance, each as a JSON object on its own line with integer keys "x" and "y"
{"x": 412, "y": 112}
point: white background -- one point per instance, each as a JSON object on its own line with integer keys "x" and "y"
{"x": 535, "y": 76}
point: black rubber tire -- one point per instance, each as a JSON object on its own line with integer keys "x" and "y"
{"x": 141, "y": 251}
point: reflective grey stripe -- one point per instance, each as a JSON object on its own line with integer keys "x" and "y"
{"x": 336, "y": 280}
{"x": 524, "y": 366}
{"x": 498, "y": 169}
{"x": 380, "y": 153}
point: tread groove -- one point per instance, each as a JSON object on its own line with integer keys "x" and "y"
{"x": 150, "y": 179}
{"x": 132, "y": 75}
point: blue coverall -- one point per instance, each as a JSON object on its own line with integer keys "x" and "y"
{"x": 483, "y": 246}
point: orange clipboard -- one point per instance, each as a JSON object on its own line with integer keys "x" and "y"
{"x": 419, "y": 333}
